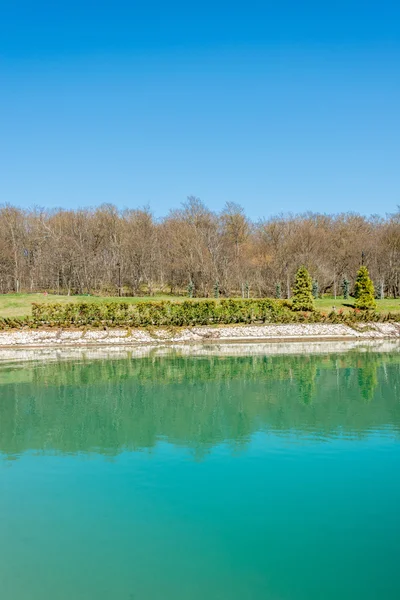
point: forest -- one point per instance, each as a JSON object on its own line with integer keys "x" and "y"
{"x": 192, "y": 251}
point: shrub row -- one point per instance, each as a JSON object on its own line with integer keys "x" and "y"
{"x": 15, "y": 323}
{"x": 145, "y": 314}
{"x": 188, "y": 313}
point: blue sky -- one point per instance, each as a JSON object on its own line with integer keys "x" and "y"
{"x": 278, "y": 106}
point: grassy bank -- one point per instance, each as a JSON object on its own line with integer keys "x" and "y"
{"x": 327, "y": 303}
{"x": 20, "y": 305}
{"x": 186, "y": 313}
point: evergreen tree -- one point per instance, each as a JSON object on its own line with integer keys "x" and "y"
{"x": 364, "y": 291}
{"x": 278, "y": 291}
{"x": 315, "y": 289}
{"x": 346, "y": 289}
{"x": 216, "y": 289}
{"x": 302, "y": 291}
{"x": 190, "y": 289}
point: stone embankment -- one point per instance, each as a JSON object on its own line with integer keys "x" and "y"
{"x": 227, "y": 333}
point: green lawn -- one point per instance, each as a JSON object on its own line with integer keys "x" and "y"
{"x": 325, "y": 304}
{"x": 19, "y": 305}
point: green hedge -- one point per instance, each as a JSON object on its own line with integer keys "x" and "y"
{"x": 15, "y": 323}
{"x": 180, "y": 314}
{"x": 145, "y": 314}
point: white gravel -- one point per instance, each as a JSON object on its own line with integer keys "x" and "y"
{"x": 242, "y": 333}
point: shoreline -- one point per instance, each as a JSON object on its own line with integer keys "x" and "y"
{"x": 20, "y": 357}
{"x": 248, "y": 334}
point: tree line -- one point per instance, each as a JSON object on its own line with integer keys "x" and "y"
{"x": 193, "y": 251}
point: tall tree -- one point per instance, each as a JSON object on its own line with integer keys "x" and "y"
{"x": 364, "y": 291}
{"x": 302, "y": 291}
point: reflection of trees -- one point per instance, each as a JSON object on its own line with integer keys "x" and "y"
{"x": 368, "y": 378}
{"x": 112, "y": 405}
{"x": 306, "y": 378}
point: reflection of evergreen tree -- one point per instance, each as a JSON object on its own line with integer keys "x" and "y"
{"x": 306, "y": 377}
{"x": 368, "y": 378}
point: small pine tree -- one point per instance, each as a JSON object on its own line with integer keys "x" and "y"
{"x": 346, "y": 289}
{"x": 278, "y": 291}
{"x": 364, "y": 291}
{"x": 216, "y": 289}
{"x": 302, "y": 291}
{"x": 315, "y": 289}
{"x": 190, "y": 289}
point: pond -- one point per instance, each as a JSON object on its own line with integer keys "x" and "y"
{"x": 214, "y": 475}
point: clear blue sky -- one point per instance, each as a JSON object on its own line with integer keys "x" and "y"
{"x": 276, "y": 105}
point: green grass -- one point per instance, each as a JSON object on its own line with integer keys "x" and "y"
{"x": 19, "y": 305}
{"x": 383, "y": 306}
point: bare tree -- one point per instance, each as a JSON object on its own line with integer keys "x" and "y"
{"x": 106, "y": 251}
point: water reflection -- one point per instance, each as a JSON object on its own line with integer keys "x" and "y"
{"x": 108, "y": 406}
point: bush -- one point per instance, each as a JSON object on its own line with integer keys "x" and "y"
{"x": 181, "y": 314}
{"x": 14, "y": 323}
{"x": 145, "y": 314}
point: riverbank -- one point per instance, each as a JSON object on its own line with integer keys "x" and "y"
{"x": 17, "y": 356}
{"x": 228, "y": 333}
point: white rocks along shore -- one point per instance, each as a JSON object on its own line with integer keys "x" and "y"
{"x": 229, "y": 333}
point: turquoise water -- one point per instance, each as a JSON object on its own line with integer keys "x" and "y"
{"x": 254, "y": 477}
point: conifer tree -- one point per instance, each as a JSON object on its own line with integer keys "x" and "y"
{"x": 346, "y": 288}
{"x": 364, "y": 291}
{"x": 190, "y": 289}
{"x": 302, "y": 291}
{"x": 278, "y": 291}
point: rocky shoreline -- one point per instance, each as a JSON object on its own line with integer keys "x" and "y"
{"x": 222, "y": 334}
